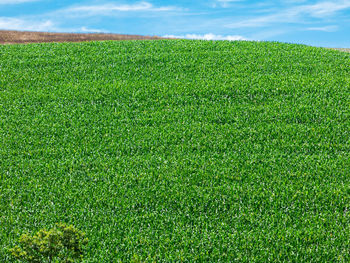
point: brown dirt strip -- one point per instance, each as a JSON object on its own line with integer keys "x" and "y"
{"x": 24, "y": 37}
{"x": 342, "y": 49}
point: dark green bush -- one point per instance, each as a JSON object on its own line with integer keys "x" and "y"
{"x": 64, "y": 243}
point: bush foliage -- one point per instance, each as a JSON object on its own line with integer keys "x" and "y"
{"x": 64, "y": 243}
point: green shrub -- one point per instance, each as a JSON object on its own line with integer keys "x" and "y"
{"x": 64, "y": 243}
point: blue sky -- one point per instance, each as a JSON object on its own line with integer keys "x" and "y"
{"x": 317, "y": 23}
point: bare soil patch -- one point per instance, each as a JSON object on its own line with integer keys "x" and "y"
{"x": 25, "y": 37}
{"x": 342, "y": 49}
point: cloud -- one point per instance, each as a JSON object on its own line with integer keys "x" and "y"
{"x": 324, "y": 29}
{"x": 209, "y": 36}
{"x": 90, "y": 30}
{"x": 294, "y": 14}
{"x": 294, "y": 1}
{"x": 324, "y": 8}
{"x": 225, "y": 3}
{"x": 11, "y": 2}
{"x": 110, "y": 8}
{"x": 257, "y": 22}
{"x": 10, "y": 23}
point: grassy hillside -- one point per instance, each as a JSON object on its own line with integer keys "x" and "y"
{"x": 178, "y": 150}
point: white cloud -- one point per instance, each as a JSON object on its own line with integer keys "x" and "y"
{"x": 10, "y": 23}
{"x": 209, "y": 36}
{"x": 256, "y": 22}
{"x": 324, "y": 28}
{"x": 225, "y": 3}
{"x": 294, "y": 1}
{"x": 11, "y": 2}
{"x": 324, "y": 8}
{"x": 110, "y": 8}
{"x": 295, "y": 14}
{"x": 90, "y": 30}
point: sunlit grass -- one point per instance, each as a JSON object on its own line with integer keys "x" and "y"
{"x": 178, "y": 150}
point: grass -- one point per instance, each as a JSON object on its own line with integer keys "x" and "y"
{"x": 178, "y": 150}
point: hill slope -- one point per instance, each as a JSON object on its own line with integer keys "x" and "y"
{"x": 178, "y": 150}
{"x": 24, "y": 37}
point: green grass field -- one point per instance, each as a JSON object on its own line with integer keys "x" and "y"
{"x": 178, "y": 150}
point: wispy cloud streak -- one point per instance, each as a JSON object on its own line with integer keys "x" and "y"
{"x": 110, "y": 8}
{"x": 10, "y": 23}
{"x": 13, "y": 2}
{"x": 225, "y": 3}
{"x": 209, "y": 36}
{"x": 295, "y": 14}
{"x": 324, "y": 28}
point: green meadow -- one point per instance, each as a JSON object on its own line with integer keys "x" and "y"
{"x": 178, "y": 150}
